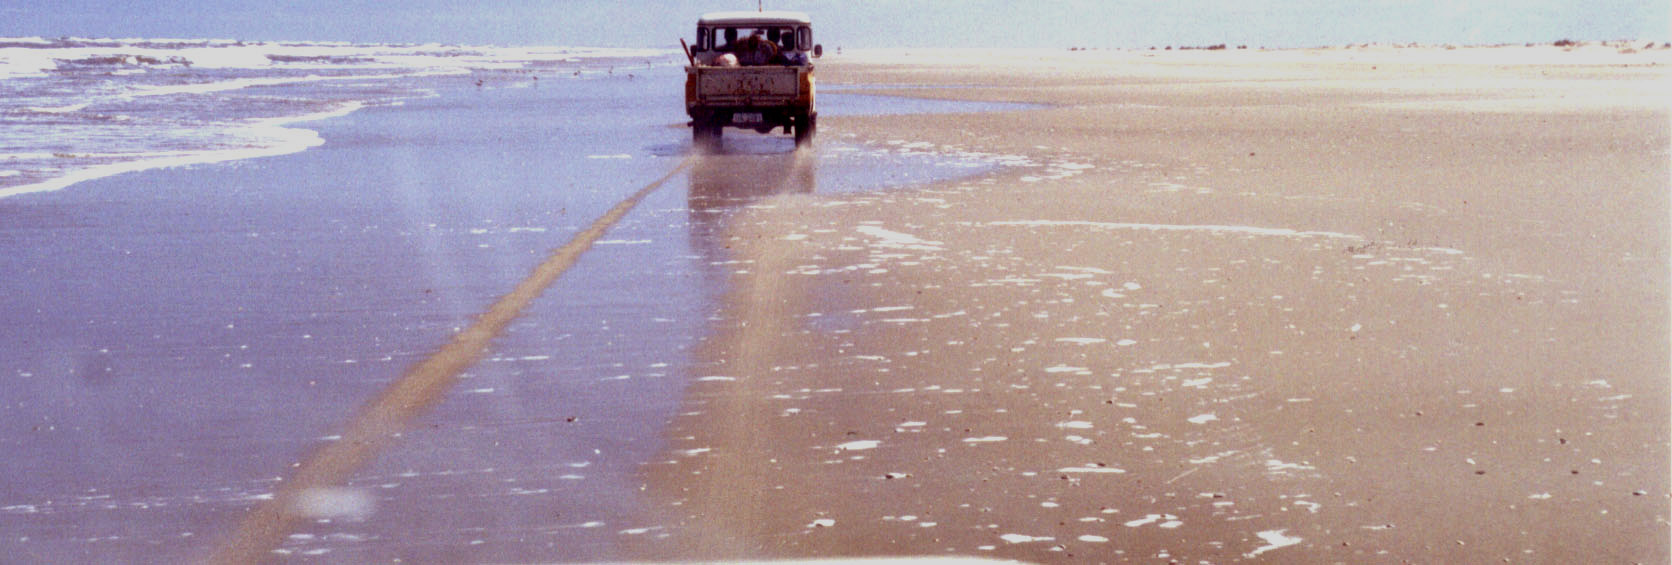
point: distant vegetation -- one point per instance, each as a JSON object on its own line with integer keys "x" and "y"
{"x": 1219, "y": 47}
{"x": 1625, "y": 46}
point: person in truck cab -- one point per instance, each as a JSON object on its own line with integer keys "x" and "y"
{"x": 755, "y": 50}
{"x": 784, "y": 41}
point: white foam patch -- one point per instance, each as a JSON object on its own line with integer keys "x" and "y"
{"x": 1244, "y": 230}
{"x": 1202, "y": 419}
{"x": 859, "y": 445}
{"x": 242, "y": 83}
{"x": 1218, "y": 365}
{"x": 1151, "y": 519}
{"x": 894, "y": 239}
{"x": 1092, "y": 270}
{"x": 57, "y": 109}
{"x": 1274, "y": 540}
{"x": 1207, "y": 228}
{"x": 1093, "y": 469}
{"x": 1277, "y": 466}
{"x": 334, "y": 503}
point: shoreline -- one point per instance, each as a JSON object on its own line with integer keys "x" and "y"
{"x": 164, "y": 103}
{"x": 297, "y": 139}
{"x": 1143, "y": 356}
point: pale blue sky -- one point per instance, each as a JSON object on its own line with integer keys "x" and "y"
{"x": 859, "y": 23}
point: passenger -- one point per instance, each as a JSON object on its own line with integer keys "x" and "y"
{"x": 755, "y": 50}
{"x": 731, "y": 40}
{"x": 784, "y": 41}
{"x": 727, "y": 56}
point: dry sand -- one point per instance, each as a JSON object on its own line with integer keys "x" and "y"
{"x": 1337, "y": 305}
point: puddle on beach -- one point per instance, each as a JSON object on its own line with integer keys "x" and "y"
{"x": 752, "y": 166}
{"x": 758, "y": 165}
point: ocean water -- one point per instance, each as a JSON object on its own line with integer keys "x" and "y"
{"x": 75, "y": 109}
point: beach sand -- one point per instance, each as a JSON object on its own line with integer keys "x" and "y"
{"x": 1333, "y": 305}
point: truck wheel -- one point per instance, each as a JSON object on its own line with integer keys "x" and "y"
{"x": 805, "y": 125}
{"x": 705, "y": 135}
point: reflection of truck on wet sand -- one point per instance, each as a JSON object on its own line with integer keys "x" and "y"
{"x": 751, "y": 70}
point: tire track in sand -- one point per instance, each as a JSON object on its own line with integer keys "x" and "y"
{"x": 378, "y": 422}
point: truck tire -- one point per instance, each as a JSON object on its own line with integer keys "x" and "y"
{"x": 805, "y": 125}
{"x": 705, "y": 135}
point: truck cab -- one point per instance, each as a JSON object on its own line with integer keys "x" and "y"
{"x": 751, "y": 70}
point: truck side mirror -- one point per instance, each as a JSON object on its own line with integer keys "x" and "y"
{"x": 818, "y": 51}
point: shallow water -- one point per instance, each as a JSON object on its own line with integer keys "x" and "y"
{"x": 178, "y": 338}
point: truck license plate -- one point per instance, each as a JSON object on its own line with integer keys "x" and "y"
{"x": 746, "y": 118}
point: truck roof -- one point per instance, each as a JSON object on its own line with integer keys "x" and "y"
{"x": 755, "y": 18}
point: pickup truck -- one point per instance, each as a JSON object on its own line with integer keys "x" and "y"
{"x": 751, "y": 70}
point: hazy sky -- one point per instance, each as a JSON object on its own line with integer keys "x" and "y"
{"x": 858, "y": 23}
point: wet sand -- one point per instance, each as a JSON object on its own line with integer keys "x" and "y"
{"x": 179, "y": 340}
{"x": 1338, "y": 305}
{"x": 190, "y": 351}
